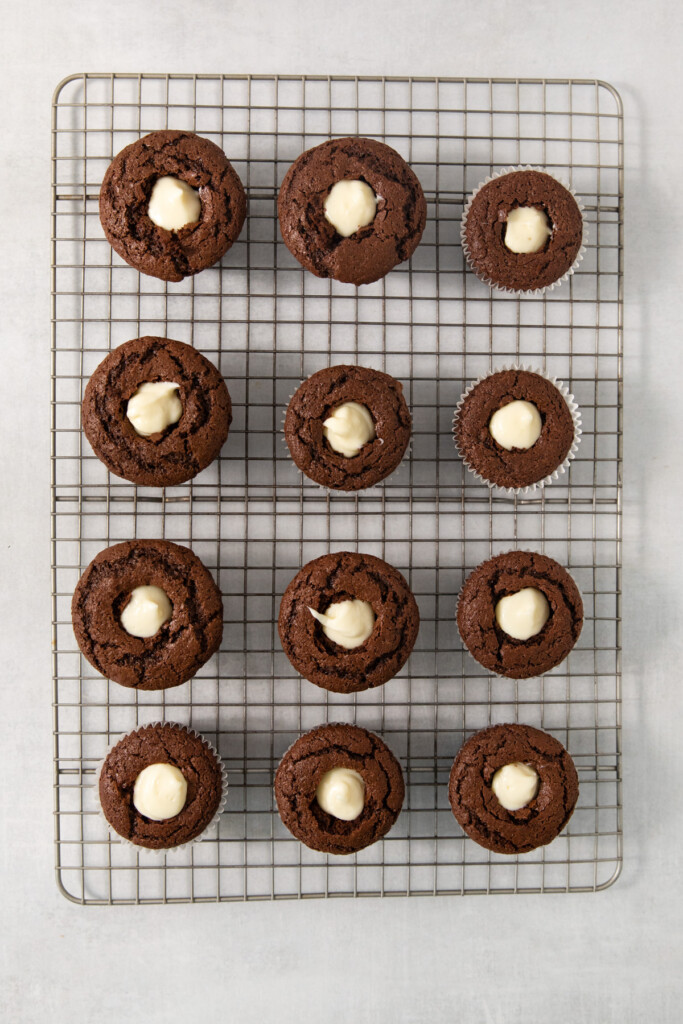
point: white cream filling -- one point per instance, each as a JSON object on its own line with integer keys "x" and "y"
{"x": 154, "y": 407}
{"x": 516, "y": 425}
{"x": 515, "y": 785}
{"x": 341, "y": 792}
{"x": 160, "y": 791}
{"x": 523, "y": 614}
{"x": 347, "y": 623}
{"x": 348, "y": 427}
{"x": 350, "y": 205}
{"x": 146, "y": 612}
{"x": 173, "y": 204}
{"x": 526, "y": 229}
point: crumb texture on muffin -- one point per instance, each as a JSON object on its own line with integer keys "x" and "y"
{"x": 484, "y": 231}
{"x": 515, "y": 467}
{"x": 182, "y": 644}
{"x": 160, "y": 744}
{"x": 371, "y": 252}
{"x": 347, "y": 575}
{"x": 478, "y": 810}
{"x": 184, "y": 449}
{"x": 501, "y": 576}
{"x": 309, "y": 759}
{"x": 313, "y": 402}
{"x": 126, "y": 191}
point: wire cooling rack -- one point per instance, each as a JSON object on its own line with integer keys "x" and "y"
{"x": 254, "y": 521}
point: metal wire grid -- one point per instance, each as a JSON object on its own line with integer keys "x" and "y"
{"x": 254, "y": 521}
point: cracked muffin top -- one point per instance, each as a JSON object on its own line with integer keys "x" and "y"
{"x": 154, "y": 745}
{"x": 305, "y": 771}
{"x": 547, "y": 806}
{"x": 551, "y": 608}
{"x": 147, "y": 614}
{"x": 348, "y": 621}
{"x": 338, "y": 445}
{"x": 390, "y": 222}
{"x": 157, "y": 439}
{"x": 200, "y": 171}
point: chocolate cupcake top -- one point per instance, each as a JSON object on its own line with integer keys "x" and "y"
{"x": 530, "y": 634}
{"x": 218, "y": 207}
{"x": 508, "y": 464}
{"x": 348, "y": 621}
{"x": 323, "y": 419}
{"x": 147, "y": 614}
{"x": 388, "y": 238}
{"x": 486, "y": 226}
{"x": 552, "y": 793}
{"x": 370, "y": 799}
{"x": 189, "y": 418}
{"x": 195, "y": 765}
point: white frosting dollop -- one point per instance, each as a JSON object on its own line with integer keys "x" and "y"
{"x": 154, "y": 407}
{"x": 347, "y": 623}
{"x": 515, "y": 785}
{"x": 523, "y": 614}
{"x": 146, "y": 612}
{"x": 350, "y": 205}
{"x": 341, "y": 792}
{"x": 526, "y": 229}
{"x": 516, "y": 425}
{"x": 160, "y": 791}
{"x": 348, "y": 427}
{"x": 173, "y": 204}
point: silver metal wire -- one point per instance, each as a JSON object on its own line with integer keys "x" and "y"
{"x": 254, "y": 521}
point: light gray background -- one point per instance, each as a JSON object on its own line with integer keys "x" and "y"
{"x": 594, "y": 958}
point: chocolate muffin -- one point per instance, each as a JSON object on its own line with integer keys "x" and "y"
{"x": 553, "y": 594}
{"x": 174, "y": 632}
{"x": 479, "y": 811}
{"x": 384, "y": 427}
{"x": 370, "y": 251}
{"x": 383, "y": 621}
{"x": 378, "y": 778}
{"x": 175, "y": 451}
{"x": 219, "y": 208}
{"x": 485, "y": 226}
{"x": 161, "y": 744}
{"x": 510, "y": 466}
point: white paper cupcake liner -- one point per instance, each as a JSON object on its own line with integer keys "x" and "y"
{"x": 499, "y": 675}
{"x": 575, "y": 413}
{"x": 536, "y": 292}
{"x": 145, "y": 850}
{"x": 339, "y": 490}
